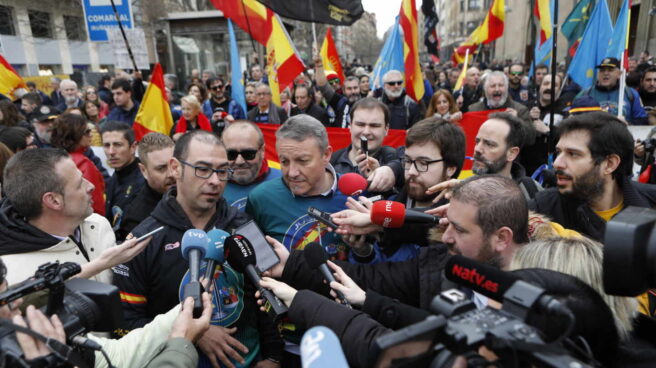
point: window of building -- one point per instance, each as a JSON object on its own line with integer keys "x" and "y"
{"x": 474, "y": 4}
{"x": 462, "y": 5}
{"x": 40, "y": 24}
{"x": 75, "y": 30}
{"x": 6, "y": 21}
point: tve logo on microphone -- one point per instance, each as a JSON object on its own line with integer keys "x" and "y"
{"x": 472, "y": 276}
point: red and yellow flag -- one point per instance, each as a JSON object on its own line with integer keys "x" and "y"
{"x": 543, "y": 13}
{"x": 9, "y": 79}
{"x": 414, "y": 81}
{"x": 154, "y": 113}
{"x": 490, "y": 30}
{"x": 283, "y": 63}
{"x": 249, "y": 15}
{"x": 330, "y": 57}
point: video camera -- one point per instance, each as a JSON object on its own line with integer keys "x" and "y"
{"x": 459, "y": 328}
{"x": 81, "y": 305}
{"x": 629, "y": 267}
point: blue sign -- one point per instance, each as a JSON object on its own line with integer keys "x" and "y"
{"x": 100, "y": 16}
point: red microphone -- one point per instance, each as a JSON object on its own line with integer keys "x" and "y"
{"x": 352, "y": 184}
{"x": 393, "y": 215}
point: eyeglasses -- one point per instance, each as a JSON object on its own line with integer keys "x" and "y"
{"x": 216, "y": 88}
{"x": 420, "y": 165}
{"x": 394, "y": 83}
{"x": 516, "y": 73}
{"x": 205, "y": 172}
{"x": 247, "y": 154}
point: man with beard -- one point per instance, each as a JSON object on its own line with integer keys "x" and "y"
{"x": 495, "y": 87}
{"x": 381, "y": 166}
{"x": 593, "y": 170}
{"x": 535, "y": 155}
{"x": 515, "y": 75}
{"x": 70, "y": 97}
{"x": 498, "y": 143}
{"x": 245, "y": 148}
{"x": 341, "y": 104}
{"x": 155, "y": 151}
{"x": 607, "y": 92}
{"x": 403, "y": 111}
{"x": 218, "y": 98}
{"x": 435, "y": 152}
{"x": 648, "y": 88}
{"x": 304, "y": 100}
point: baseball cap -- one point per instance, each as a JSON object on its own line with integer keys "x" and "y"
{"x": 46, "y": 113}
{"x": 583, "y": 104}
{"x": 609, "y": 62}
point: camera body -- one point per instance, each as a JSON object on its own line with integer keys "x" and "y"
{"x": 82, "y": 305}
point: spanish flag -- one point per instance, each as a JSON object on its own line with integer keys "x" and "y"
{"x": 9, "y": 79}
{"x": 154, "y": 113}
{"x": 249, "y": 15}
{"x": 543, "y": 13}
{"x": 490, "y": 30}
{"x": 330, "y": 57}
{"x": 414, "y": 81}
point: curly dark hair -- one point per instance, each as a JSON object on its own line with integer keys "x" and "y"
{"x": 67, "y": 131}
{"x": 11, "y": 116}
{"x": 201, "y": 88}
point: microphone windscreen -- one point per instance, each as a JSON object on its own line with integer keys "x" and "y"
{"x": 320, "y": 348}
{"x": 479, "y": 277}
{"x": 352, "y": 184}
{"x": 217, "y": 239}
{"x": 239, "y": 252}
{"x": 315, "y": 255}
{"x": 388, "y": 214}
{"x": 194, "y": 239}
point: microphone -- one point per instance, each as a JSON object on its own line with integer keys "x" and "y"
{"x": 320, "y": 348}
{"x": 393, "y": 214}
{"x": 352, "y": 184}
{"x": 214, "y": 255}
{"x": 194, "y": 246}
{"x": 316, "y": 258}
{"x": 241, "y": 256}
{"x": 500, "y": 285}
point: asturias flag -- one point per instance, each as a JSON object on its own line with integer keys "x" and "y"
{"x": 330, "y": 57}
{"x": 414, "y": 81}
{"x": 154, "y": 114}
{"x": 619, "y": 41}
{"x": 9, "y": 79}
{"x": 235, "y": 67}
{"x": 390, "y": 58}
{"x": 593, "y": 46}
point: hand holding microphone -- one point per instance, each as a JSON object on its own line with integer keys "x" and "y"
{"x": 346, "y": 286}
{"x": 194, "y": 246}
{"x": 391, "y": 214}
{"x": 316, "y": 258}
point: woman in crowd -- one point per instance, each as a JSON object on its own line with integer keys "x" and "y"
{"x": 91, "y": 110}
{"x": 90, "y": 94}
{"x": 199, "y": 91}
{"x": 249, "y": 91}
{"x": 285, "y": 100}
{"x": 365, "y": 88}
{"x": 10, "y": 116}
{"x": 71, "y": 133}
{"x": 442, "y": 81}
{"x": 442, "y": 105}
{"x": 192, "y": 118}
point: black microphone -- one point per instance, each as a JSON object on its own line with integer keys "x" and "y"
{"x": 193, "y": 246}
{"x": 316, "y": 258}
{"x": 241, "y": 256}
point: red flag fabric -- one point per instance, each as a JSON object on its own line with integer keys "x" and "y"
{"x": 249, "y": 15}
{"x": 9, "y": 79}
{"x": 330, "y": 56}
{"x": 154, "y": 114}
{"x": 470, "y": 123}
{"x": 414, "y": 82}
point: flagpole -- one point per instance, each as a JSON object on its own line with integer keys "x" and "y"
{"x": 533, "y": 46}
{"x": 462, "y": 87}
{"x": 554, "y": 52}
{"x": 315, "y": 48}
{"x": 620, "y": 103}
{"x": 125, "y": 38}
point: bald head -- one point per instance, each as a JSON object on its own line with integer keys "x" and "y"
{"x": 473, "y": 77}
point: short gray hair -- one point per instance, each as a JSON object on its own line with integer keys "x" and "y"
{"x": 260, "y": 84}
{"x": 390, "y": 72}
{"x": 495, "y": 73}
{"x": 301, "y": 127}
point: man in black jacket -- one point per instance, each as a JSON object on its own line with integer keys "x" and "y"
{"x": 381, "y": 166}
{"x": 155, "y": 152}
{"x": 593, "y": 171}
{"x": 153, "y": 283}
{"x": 404, "y": 112}
{"x": 120, "y": 147}
{"x": 304, "y": 100}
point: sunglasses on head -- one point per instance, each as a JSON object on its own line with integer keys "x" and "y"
{"x": 247, "y": 154}
{"x": 394, "y": 83}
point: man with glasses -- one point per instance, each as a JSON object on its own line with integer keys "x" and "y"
{"x": 403, "y": 111}
{"x": 266, "y": 111}
{"x": 515, "y": 75}
{"x": 381, "y": 165}
{"x": 434, "y": 153}
{"x": 153, "y": 283}
{"x": 217, "y": 99}
{"x": 244, "y": 144}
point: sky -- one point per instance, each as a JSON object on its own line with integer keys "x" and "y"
{"x": 384, "y": 13}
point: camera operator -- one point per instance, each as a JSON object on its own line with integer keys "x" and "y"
{"x": 593, "y": 170}
{"x": 47, "y": 215}
{"x": 487, "y": 221}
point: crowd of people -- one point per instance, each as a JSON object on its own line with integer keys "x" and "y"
{"x": 61, "y": 202}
